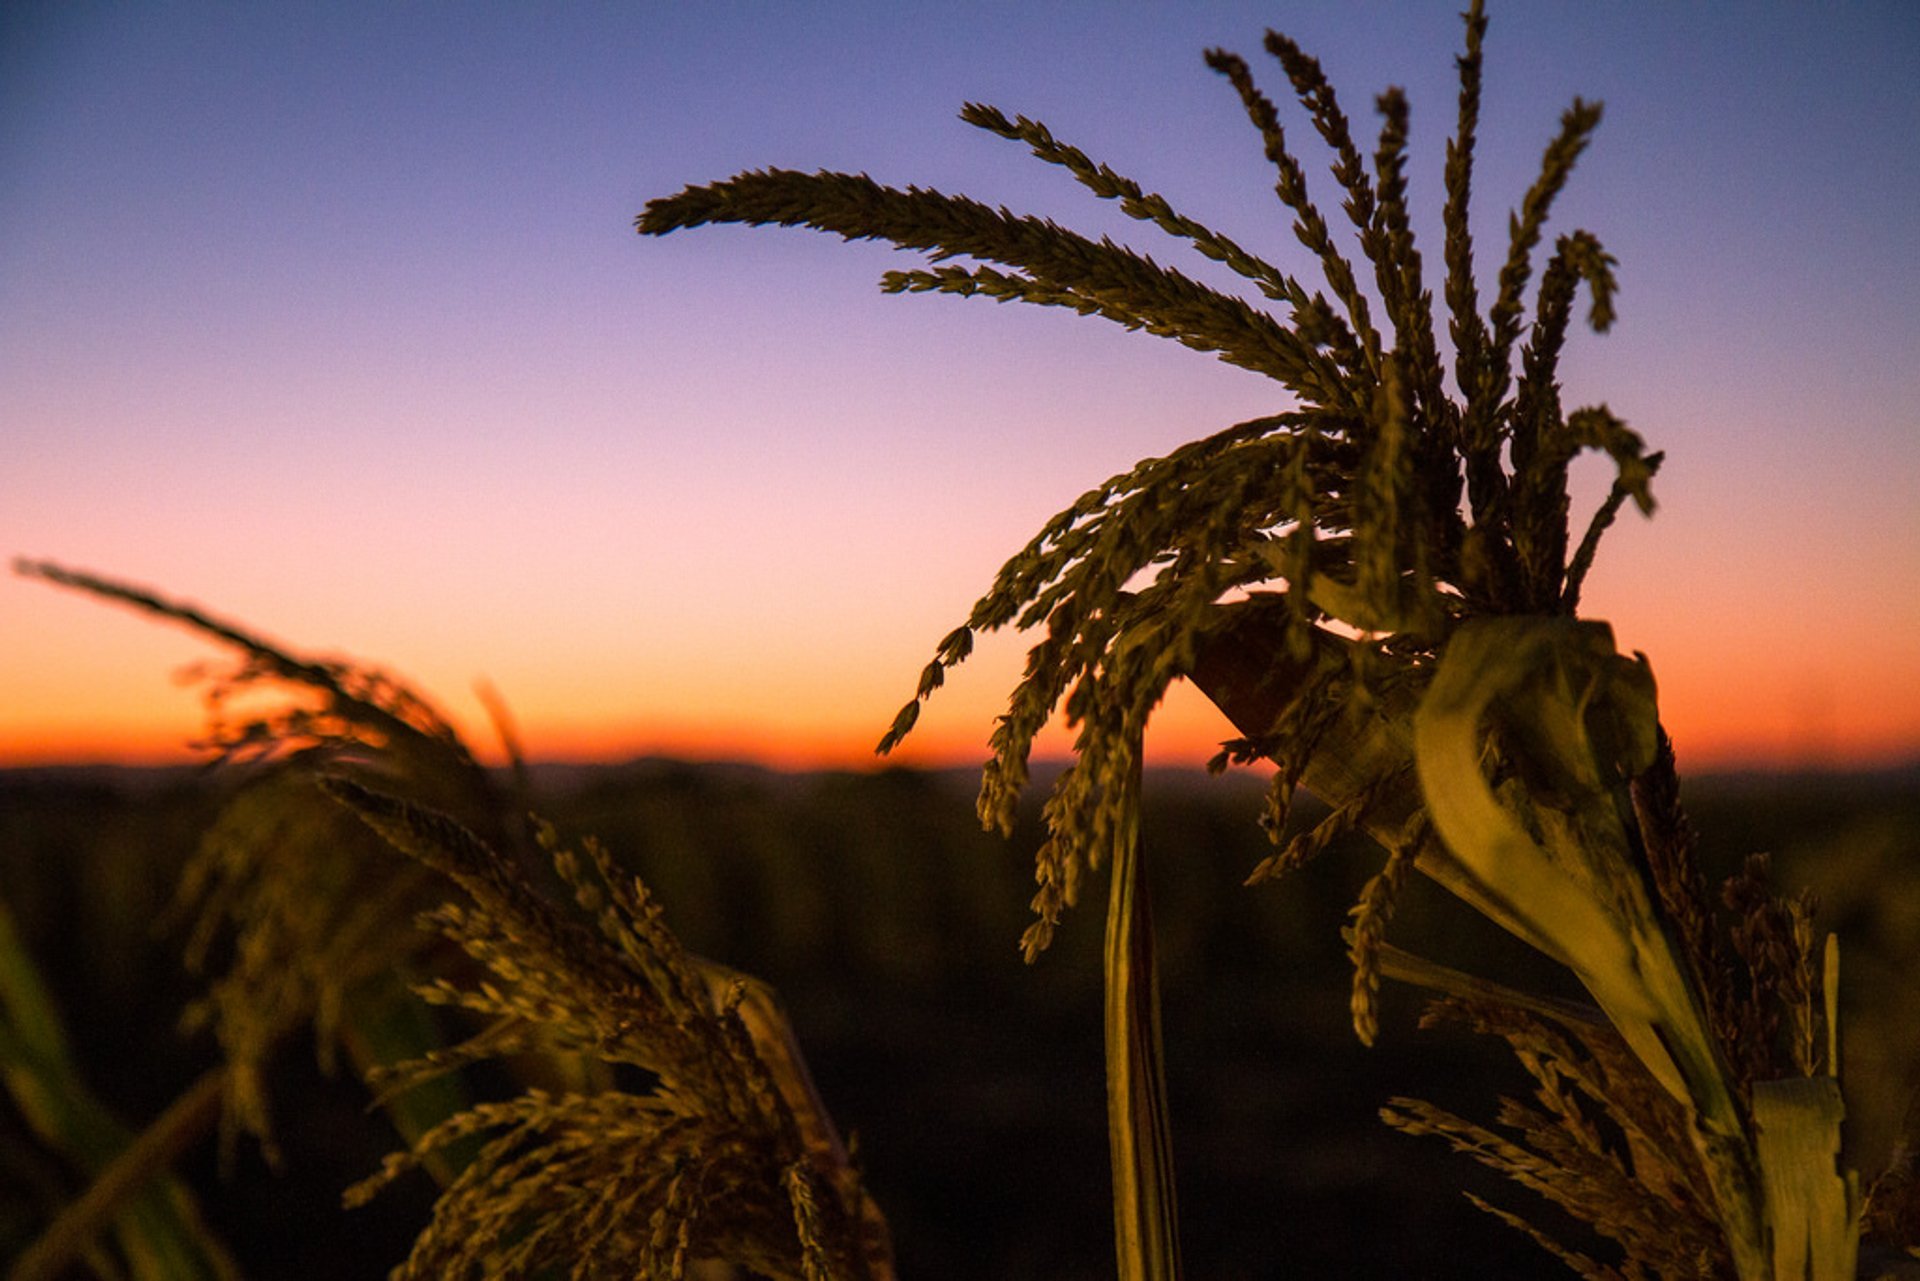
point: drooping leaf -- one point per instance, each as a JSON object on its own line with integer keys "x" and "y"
{"x": 1579, "y": 721}
{"x": 1554, "y": 905}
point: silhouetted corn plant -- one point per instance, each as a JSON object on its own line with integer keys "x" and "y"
{"x": 1378, "y": 584}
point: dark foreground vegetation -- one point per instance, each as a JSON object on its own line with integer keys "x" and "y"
{"x": 888, "y": 922}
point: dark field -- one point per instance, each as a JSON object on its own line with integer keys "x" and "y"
{"x": 972, "y": 1081}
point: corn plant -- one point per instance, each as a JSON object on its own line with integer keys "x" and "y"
{"x": 667, "y": 1120}
{"x": 299, "y": 919}
{"x": 1379, "y": 584}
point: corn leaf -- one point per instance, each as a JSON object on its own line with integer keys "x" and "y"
{"x": 1812, "y": 1208}
{"x": 1488, "y": 661}
{"x": 1579, "y": 720}
{"x": 154, "y": 1221}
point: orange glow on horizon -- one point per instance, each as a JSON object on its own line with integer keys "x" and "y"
{"x": 90, "y": 683}
{"x": 1710, "y": 735}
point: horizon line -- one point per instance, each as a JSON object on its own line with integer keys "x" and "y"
{"x": 922, "y": 763}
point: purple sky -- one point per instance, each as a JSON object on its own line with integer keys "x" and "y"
{"x": 332, "y": 317}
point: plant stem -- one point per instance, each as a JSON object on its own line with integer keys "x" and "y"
{"x": 1146, "y": 1238}
{"x": 186, "y": 1120}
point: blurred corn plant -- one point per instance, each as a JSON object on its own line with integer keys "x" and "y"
{"x": 1379, "y": 584}
{"x": 726, "y": 1154}
{"x": 300, "y": 918}
{"x": 718, "y": 1153}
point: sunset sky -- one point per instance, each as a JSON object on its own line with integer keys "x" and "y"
{"x": 332, "y": 319}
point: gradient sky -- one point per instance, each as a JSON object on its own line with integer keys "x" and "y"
{"x": 332, "y": 319}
